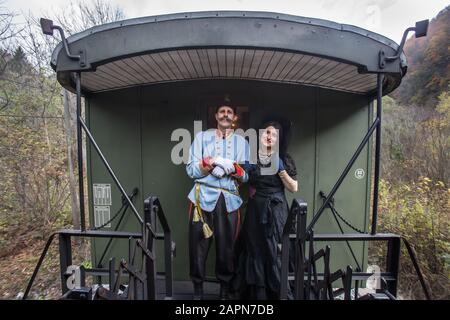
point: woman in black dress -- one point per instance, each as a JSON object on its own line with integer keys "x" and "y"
{"x": 259, "y": 262}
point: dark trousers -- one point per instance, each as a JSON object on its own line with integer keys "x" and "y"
{"x": 225, "y": 226}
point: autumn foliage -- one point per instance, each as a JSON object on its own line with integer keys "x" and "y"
{"x": 35, "y": 148}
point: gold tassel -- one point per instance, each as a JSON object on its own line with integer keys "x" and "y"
{"x": 196, "y": 217}
{"x": 207, "y": 232}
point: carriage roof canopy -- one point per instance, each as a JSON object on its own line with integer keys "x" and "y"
{"x": 228, "y": 45}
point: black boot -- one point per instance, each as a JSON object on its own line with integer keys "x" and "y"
{"x": 224, "y": 291}
{"x": 198, "y": 291}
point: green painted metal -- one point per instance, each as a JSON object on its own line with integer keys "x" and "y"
{"x": 316, "y": 37}
{"x": 319, "y": 37}
{"x": 133, "y": 128}
{"x": 117, "y": 131}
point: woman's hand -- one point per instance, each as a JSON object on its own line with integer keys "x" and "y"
{"x": 288, "y": 182}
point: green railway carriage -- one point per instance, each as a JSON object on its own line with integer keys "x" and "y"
{"x": 143, "y": 78}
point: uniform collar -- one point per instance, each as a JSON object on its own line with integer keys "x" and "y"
{"x": 219, "y": 134}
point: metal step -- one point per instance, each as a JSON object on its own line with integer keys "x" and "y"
{"x": 360, "y": 276}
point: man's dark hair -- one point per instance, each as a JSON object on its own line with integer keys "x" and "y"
{"x": 225, "y": 101}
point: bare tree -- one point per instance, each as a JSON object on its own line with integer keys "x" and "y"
{"x": 82, "y": 15}
{"x": 69, "y": 129}
{"x": 76, "y": 17}
{"x": 8, "y": 29}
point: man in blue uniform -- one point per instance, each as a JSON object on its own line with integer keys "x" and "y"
{"x": 214, "y": 159}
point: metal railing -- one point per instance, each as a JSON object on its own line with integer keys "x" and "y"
{"x": 144, "y": 240}
{"x": 311, "y": 284}
{"x": 152, "y": 211}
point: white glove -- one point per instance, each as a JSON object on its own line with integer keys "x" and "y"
{"x": 218, "y": 172}
{"x": 226, "y": 164}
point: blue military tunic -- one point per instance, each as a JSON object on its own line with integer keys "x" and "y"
{"x": 208, "y": 144}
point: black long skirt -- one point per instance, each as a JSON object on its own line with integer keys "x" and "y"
{"x": 258, "y": 248}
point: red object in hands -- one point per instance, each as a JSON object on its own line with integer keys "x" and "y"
{"x": 238, "y": 171}
{"x": 206, "y": 163}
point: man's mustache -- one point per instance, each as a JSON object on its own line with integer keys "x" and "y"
{"x": 226, "y": 118}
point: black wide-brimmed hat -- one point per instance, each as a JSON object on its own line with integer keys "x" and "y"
{"x": 225, "y": 100}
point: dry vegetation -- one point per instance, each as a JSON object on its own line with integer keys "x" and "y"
{"x": 36, "y": 144}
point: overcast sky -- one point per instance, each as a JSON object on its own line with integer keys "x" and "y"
{"x": 387, "y": 17}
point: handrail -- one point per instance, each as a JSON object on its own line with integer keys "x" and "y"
{"x": 152, "y": 204}
{"x": 302, "y": 236}
{"x": 124, "y": 207}
{"x": 38, "y": 266}
{"x": 298, "y": 210}
{"x": 344, "y": 173}
{"x": 413, "y": 258}
{"x": 381, "y": 237}
{"x": 74, "y": 233}
{"x": 110, "y": 170}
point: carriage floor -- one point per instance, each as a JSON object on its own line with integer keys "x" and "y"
{"x": 184, "y": 290}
